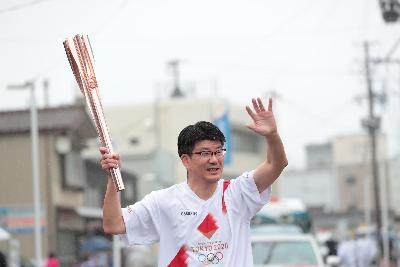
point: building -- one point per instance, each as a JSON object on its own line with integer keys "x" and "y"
{"x": 71, "y": 188}
{"x": 394, "y": 185}
{"x": 336, "y": 184}
{"x": 317, "y": 188}
{"x": 337, "y": 175}
{"x": 352, "y": 160}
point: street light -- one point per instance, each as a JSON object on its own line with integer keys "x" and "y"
{"x": 35, "y": 167}
{"x": 390, "y": 10}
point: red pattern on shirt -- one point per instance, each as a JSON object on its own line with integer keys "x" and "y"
{"x": 180, "y": 259}
{"x": 208, "y": 226}
{"x": 226, "y": 184}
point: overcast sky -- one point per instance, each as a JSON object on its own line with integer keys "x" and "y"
{"x": 308, "y": 51}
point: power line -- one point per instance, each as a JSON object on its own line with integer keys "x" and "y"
{"x": 392, "y": 50}
{"x": 111, "y": 18}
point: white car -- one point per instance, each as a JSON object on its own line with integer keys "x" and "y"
{"x": 276, "y": 229}
{"x": 286, "y": 250}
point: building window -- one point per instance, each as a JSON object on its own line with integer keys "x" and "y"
{"x": 352, "y": 192}
{"x": 244, "y": 141}
{"x": 351, "y": 180}
{"x": 73, "y": 172}
{"x": 92, "y": 197}
{"x": 134, "y": 141}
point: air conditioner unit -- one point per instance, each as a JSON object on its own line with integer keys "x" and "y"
{"x": 63, "y": 145}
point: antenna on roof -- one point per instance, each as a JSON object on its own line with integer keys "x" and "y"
{"x": 174, "y": 65}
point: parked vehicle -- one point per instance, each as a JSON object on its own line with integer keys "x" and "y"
{"x": 284, "y": 211}
{"x": 286, "y": 250}
{"x": 276, "y": 229}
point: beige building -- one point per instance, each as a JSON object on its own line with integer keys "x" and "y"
{"x": 394, "y": 185}
{"x": 337, "y": 185}
{"x": 60, "y": 191}
{"x": 71, "y": 188}
{"x": 352, "y": 159}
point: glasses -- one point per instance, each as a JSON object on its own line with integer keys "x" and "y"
{"x": 206, "y": 154}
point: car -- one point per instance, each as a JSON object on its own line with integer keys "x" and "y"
{"x": 276, "y": 229}
{"x": 261, "y": 219}
{"x": 286, "y": 211}
{"x": 286, "y": 250}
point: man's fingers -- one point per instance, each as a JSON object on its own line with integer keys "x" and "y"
{"x": 109, "y": 161}
{"x": 251, "y": 127}
{"x": 250, "y": 112}
{"x": 106, "y": 157}
{"x": 270, "y": 104}
{"x": 260, "y": 104}
{"x": 103, "y": 149}
{"x": 109, "y": 164}
{"x": 255, "y": 105}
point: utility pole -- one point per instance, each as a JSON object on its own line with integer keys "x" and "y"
{"x": 372, "y": 124}
{"x": 386, "y": 60}
{"x": 46, "y": 93}
{"x": 174, "y": 65}
{"x": 35, "y": 167}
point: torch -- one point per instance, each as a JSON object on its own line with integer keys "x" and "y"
{"x": 80, "y": 57}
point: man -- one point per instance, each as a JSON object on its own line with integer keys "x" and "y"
{"x": 204, "y": 220}
{"x": 3, "y": 260}
{"x": 359, "y": 252}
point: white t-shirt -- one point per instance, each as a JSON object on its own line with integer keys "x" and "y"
{"x": 195, "y": 232}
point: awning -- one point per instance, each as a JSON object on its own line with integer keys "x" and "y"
{"x": 89, "y": 212}
{"x": 77, "y": 218}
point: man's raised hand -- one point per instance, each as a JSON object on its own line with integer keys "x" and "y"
{"x": 263, "y": 120}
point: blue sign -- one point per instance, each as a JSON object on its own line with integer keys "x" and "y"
{"x": 224, "y": 125}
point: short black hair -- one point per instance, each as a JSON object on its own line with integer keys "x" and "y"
{"x": 202, "y": 130}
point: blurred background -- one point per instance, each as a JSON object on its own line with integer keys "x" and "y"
{"x": 332, "y": 68}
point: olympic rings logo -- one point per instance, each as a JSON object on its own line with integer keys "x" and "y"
{"x": 210, "y": 258}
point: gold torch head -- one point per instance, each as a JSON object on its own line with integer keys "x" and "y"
{"x": 72, "y": 55}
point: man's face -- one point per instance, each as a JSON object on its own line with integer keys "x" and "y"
{"x": 206, "y": 162}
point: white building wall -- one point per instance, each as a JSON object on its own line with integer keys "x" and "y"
{"x": 317, "y": 187}
{"x": 356, "y": 149}
{"x": 394, "y": 184}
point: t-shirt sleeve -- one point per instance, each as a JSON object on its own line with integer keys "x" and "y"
{"x": 245, "y": 196}
{"x": 141, "y": 222}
